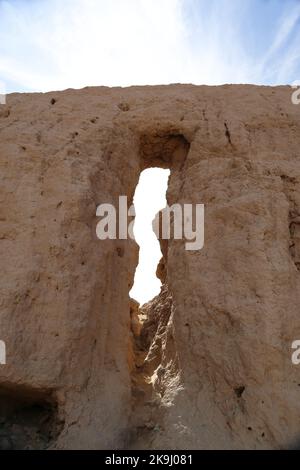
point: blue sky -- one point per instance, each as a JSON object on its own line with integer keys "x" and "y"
{"x": 53, "y": 44}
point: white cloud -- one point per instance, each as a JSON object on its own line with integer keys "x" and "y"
{"x": 50, "y": 44}
{"x": 283, "y": 55}
{"x": 288, "y": 24}
{"x": 78, "y": 43}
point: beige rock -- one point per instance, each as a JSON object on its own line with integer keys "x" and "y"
{"x": 211, "y": 366}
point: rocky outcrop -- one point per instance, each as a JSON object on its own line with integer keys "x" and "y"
{"x": 210, "y": 364}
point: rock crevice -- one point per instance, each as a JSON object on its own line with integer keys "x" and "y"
{"x": 211, "y": 365}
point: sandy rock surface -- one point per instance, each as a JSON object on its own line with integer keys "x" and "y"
{"x": 210, "y": 365}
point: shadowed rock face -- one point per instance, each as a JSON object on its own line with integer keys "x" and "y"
{"x": 210, "y": 366}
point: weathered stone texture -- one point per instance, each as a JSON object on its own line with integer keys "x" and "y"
{"x": 211, "y": 367}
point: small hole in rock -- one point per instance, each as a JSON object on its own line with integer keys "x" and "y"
{"x": 29, "y": 419}
{"x": 124, "y": 107}
{"x": 120, "y": 251}
{"x": 239, "y": 391}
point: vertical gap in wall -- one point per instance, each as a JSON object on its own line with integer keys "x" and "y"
{"x": 149, "y": 199}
